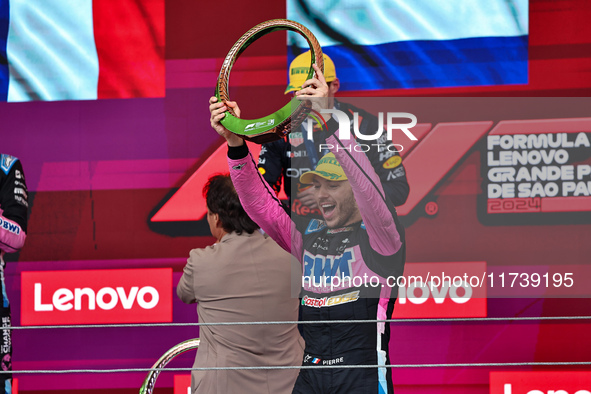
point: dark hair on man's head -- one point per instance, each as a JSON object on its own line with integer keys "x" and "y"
{"x": 222, "y": 199}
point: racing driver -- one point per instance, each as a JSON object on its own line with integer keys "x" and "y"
{"x": 13, "y": 226}
{"x": 359, "y": 238}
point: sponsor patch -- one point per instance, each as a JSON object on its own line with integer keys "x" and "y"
{"x": 21, "y": 191}
{"x": 262, "y": 171}
{"x": 392, "y": 162}
{"x": 339, "y": 230}
{"x": 238, "y": 167}
{"x": 320, "y": 243}
{"x": 299, "y": 153}
{"x": 6, "y": 162}
{"x": 386, "y": 155}
{"x": 21, "y": 201}
{"x": 330, "y": 301}
{"x": 315, "y": 225}
{"x": 397, "y": 173}
{"x": 296, "y": 138}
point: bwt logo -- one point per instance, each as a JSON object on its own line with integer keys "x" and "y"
{"x": 13, "y": 228}
{"x": 345, "y": 125}
{"x": 321, "y": 266}
{"x": 321, "y": 271}
{"x": 96, "y": 296}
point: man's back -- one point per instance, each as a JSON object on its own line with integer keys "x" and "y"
{"x": 243, "y": 278}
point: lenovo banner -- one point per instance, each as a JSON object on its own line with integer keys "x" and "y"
{"x": 538, "y": 166}
{"x": 182, "y": 384}
{"x": 540, "y": 382}
{"x": 96, "y": 296}
{"x": 442, "y": 290}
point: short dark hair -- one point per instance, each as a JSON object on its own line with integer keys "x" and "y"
{"x": 222, "y": 199}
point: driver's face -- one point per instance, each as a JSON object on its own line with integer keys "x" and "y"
{"x": 336, "y": 202}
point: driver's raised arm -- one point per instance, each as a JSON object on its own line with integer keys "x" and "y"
{"x": 257, "y": 198}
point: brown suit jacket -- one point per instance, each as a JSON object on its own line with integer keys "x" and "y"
{"x": 243, "y": 278}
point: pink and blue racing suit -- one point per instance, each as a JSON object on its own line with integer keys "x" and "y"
{"x": 373, "y": 249}
{"x": 13, "y": 227}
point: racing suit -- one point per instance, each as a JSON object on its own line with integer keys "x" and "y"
{"x": 372, "y": 248}
{"x": 286, "y": 159}
{"x": 13, "y": 227}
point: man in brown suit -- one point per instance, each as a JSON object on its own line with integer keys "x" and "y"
{"x": 243, "y": 277}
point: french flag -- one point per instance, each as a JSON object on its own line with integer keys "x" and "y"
{"x": 81, "y": 49}
{"x": 417, "y": 44}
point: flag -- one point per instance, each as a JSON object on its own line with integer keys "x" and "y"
{"x": 81, "y": 49}
{"x": 388, "y": 44}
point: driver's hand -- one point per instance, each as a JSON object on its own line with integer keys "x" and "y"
{"x": 217, "y": 111}
{"x": 315, "y": 89}
{"x": 308, "y": 198}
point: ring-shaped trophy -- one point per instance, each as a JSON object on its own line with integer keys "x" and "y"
{"x": 150, "y": 381}
{"x": 280, "y": 123}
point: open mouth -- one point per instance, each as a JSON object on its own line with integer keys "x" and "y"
{"x": 328, "y": 210}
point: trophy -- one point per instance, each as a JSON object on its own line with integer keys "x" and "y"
{"x": 280, "y": 123}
